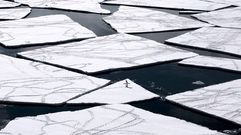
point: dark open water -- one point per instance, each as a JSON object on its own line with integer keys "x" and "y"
{"x": 163, "y": 79}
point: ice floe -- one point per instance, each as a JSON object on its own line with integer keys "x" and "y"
{"x": 229, "y": 17}
{"x": 124, "y": 91}
{"x": 40, "y": 30}
{"x": 92, "y": 6}
{"x": 14, "y": 13}
{"x": 230, "y": 2}
{"x": 214, "y": 62}
{"x": 105, "y": 120}
{"x": 141, "y": 20}
{"x": 8, "y": 4}
{"x": 222, "y": 100}
{"x": 25, "y": 81}
{"x": 212, "y": 38}
{"x": 107, "y": 53}
{"x": 173, "y": 4}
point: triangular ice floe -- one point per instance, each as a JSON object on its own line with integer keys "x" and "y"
{"x": 211, "y": 38}
{"x": 124, "y": 91}
{"x": 214, "y": 62}
{"x": 229, "y": 17}
{"x": 25, "y": 81}
{"x": 222, "y": 100}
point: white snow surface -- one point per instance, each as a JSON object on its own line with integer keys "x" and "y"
{"x": 124, "y": 91}
{"x": 173, "y": 4}
{"x": 224, "y": 40}
{"x": 91, "y": 6}
{"x": 141, "y": 20}
{"x": 107, "y": 53}
{"x": 221, "y": 100}
{"x": 229, "y": 17}
{"x": 25, "y": 81}
{"x": 40, "y": 30}
{"x": 214, "y": 62}
{"x": 106, "y": 120}
{"x": 14, "y": 13}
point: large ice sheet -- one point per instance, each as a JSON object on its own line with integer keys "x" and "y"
{"x": 92, "y": 6}
{"x": 39, "y": 30}
{"x": 222, "y": 100}
{"x": 31, "y": 82}
{"x": 174, "y": 4}
{"x": 107, "y": 53}
{"x": 14, "y": 13}
{"x": 230, "y": 2}
{"x": 124, "y": 91}
{"x": 214, "y": 62}
{"x": 229, "y": 17}
{"x": 104, "y": 120}
{"x": 7, "y": 4}
{"x": 140, "y": 20}
{"x": 211, "y": 38}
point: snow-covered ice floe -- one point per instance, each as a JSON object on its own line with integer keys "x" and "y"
{"x": 124, "y": 91}
{"x": 211, "y": 38}
{"x": 105, "y": 120}
{"x": 214, "y": 62}
{"x": 229, "y": 17}
{"x": 40, "y": 30}
{"x": 25, "y": 81}
{"x": 8, "y": 4}
{"x": 229, "y": 2}
{"x": 14, "y": 13}
{"x": 173, "y": 4}
{"x": 141, "y": 20}
{"x": 91, "y": 6}
{"x": 106, "y": 53}
{"x": 222, "y": 100}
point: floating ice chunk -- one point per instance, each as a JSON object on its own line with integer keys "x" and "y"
{"x": 121, "y": 92}
{"x": 229, "y": 17}
{"x": 8, "y": 4}
{"x": 14, "y": 13}
{"x": 214, "y": 62}
{"x": 222, "y": 100}
{"x": 173, "y": 4}
{"x": 140, "y": 20}
{"x": 31, "y": 82}
{"x": 40, "y": 30}
{"x": 198, "y": 83}
{"x": 105, "y": 120}
{"x": 217, "y": 39}
{"x": 107, "y": 53}
{"x": 92, "y": 6}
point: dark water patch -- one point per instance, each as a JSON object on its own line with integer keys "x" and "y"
{"x": 91, "y": 21}
{"x": 170, "y": 78}
{"x": 162, "y": 36}
{"x": 10, "y": 112}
